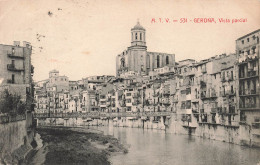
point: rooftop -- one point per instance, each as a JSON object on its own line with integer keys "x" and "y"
{"x": 138, "y": 26}
{"x": 258, "y": 30}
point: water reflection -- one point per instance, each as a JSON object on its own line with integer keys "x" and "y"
{"x": 157, "y": 147}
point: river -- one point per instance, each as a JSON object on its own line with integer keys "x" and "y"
{"x": 155, "y": 147}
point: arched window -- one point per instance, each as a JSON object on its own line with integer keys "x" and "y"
{"x": 167, "y": 60}
{"x": 158, "y": 61}
{"x": 148, "y": 61}
{"x": 136, "y": 36}
{"x": 122, "y": 62}
{"x": 140, "y": 36}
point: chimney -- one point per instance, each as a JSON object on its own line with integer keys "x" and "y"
{"x": 17, "y": 43}
{"x": 26, "y": 44}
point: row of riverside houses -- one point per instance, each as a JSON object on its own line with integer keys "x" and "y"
{"x": 58, "y": 94}
{"x": 199, "y": 92}
{"x": 220, "y": 91}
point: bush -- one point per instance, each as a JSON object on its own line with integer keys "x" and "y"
{"x": 11, "y": 103}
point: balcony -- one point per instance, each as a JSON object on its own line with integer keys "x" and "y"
{"x": 251, "y": 106}
{"x": 203, "y": 84}
{"x": 223, "y": 79}
{"x": 251, "y": 92}
{"x": 195, "y": 110}
{"x": 245, "y": 58}
{"x": 166, "y": 93}
{"x": 136, "y": 95}
{"x": 230, "y": 78}
{"x": 156, "y": 94}
{"x": 213, "y": 110}
{"x": 11, "y": 67}
{"x": 213, "y": 95}
{"x": 204, "y": 70}
{"x": 129, "y": 104}
{"x": 9, "y": 81}
{"x": 249, "y": 75}
{"x": 175, "y": 100}
{"x": 221, "y": 111}
{"x": 230, "y": 93}
{"x": 166, "y": 102}
{"x": 122, "y": 103}
{"x": 13, "y": 55}
{"x": 252, "y": 73}
{"x": 204, "y": 96}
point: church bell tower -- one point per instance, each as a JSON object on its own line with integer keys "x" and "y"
{"x": 138, "y": 35}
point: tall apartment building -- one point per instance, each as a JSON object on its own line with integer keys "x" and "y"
{"x": 16, "y": 70}
{"x": 247, "y": 49}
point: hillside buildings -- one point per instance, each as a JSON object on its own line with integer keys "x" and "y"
{"x": 247, "y": 49}
{"x": 220, "y": 92}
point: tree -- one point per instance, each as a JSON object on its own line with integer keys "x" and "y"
{"x": 11, "y": 103}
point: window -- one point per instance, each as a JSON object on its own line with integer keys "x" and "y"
{"x": 140, "y": 36}
{"x": 167, "y": 60}
{"x": 13, "y": 78}
{"x": 247, "y": 39}
{"x": 158, "y": 61}
{"x": 253, "y": 37}
{"x": 136, "y": 36}
{"x": 253, "y": 50}
{"x": 242, "y": 41}
{"x": 148, "y": 61}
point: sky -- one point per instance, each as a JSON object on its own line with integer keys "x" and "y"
{"x": 82, "y": 38}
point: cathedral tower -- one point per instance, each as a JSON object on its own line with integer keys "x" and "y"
{"x": 138, "y": 35}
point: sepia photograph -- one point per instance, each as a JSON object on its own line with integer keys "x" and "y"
{"x": 129, "y": 82}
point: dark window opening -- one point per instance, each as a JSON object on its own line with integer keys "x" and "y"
{"x": 158, "y": 61}
{"x": 13, "y": 78}
{"x": 167, "y": 60}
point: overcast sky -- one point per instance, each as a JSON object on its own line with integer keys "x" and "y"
{"x": 82, "y": 38}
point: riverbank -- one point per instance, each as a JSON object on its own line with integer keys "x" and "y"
{"x": 75, "y": 146}
{"x": 235, "y": 134}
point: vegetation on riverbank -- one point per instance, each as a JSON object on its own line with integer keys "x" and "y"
{"x": 78, "y": 146}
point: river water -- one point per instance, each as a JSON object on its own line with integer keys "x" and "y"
{"x": 155, "y": 147}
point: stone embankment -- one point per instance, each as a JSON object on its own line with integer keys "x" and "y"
{"x": 16, "y": 137}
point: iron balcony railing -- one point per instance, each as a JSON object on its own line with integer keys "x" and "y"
{"x": 13, "y": 55}
{"x": 100, "y": 114}
{"x": 12, "y": 67}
